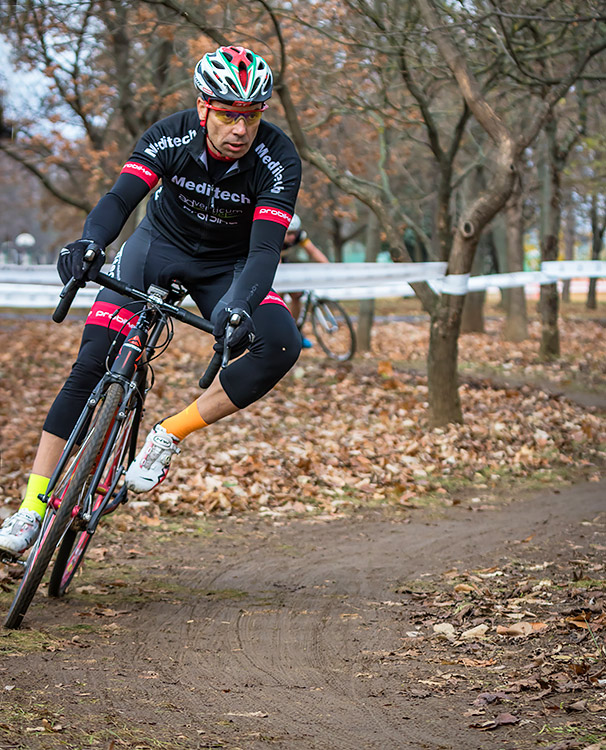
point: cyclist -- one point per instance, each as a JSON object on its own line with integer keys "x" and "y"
{"x": 295, "y": 238}
{"x": 217, "y": 223}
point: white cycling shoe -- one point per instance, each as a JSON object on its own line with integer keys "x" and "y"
{"x": 19, "y": 531}
{"x": 152, "y": 463}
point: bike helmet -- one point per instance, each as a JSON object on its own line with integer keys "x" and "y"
{"x": 295, "y": 224}
{"x": 233, "y": 74}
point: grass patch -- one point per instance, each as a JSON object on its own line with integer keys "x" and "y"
{"x": 582, "y": 735}
{"x": 26, "y": 641}
{"x": 589, "y": 583}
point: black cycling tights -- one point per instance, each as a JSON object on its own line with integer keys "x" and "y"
{"x": 276, "y": 347}
{"x": 245, "y": 380}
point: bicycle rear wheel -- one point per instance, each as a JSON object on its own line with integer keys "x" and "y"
{"x": 63, "y": 503}
{"x": 333, "y": 329}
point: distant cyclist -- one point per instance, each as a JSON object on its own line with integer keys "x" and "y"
{"x": 217, "y": 223}
{"x": 296, "y": 238}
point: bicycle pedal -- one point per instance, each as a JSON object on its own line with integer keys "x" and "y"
{"x": 8, "y": 559}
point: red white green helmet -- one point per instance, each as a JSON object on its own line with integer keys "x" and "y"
{"x": 233, "y": 74}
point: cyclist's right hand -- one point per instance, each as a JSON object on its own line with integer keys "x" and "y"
{"x": 71, "y": 261}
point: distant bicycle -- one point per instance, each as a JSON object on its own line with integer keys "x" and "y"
{"x": 331, "y": 325}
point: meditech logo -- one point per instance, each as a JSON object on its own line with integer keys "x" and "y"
{"x": 274, "y": 166}
{"x": 272, "y": 214}
{"x": 203, "y": 188}
{"x": 168, "y": 141}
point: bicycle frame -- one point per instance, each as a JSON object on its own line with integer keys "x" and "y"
{"x": 331, "y": 325}
{"x": 129, "y": 369}
{"x": 309, "y": 300}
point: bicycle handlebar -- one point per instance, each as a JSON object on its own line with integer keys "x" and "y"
{"x": 121, "y": 287}
{"x": 65, "y": 299}
{"x": 70, "y": 290}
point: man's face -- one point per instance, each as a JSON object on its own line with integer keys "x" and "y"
{"x": 231, "y": 139}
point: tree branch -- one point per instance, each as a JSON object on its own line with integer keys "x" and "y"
{"x": 44, "y": 179}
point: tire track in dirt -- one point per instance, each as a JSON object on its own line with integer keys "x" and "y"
{"x": 280, "y": 635}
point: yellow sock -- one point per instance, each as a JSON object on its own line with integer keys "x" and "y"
{"x": 36, "y": 485}
{"x": 186, "y": 421}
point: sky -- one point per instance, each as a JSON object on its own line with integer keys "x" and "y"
{"x": 18, "y": 85}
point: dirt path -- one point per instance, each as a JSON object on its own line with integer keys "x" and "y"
{"x": 255, "y": 633}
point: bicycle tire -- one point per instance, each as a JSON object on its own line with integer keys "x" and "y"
{"x": 68, "y": 560}
{"x": 333, "y": 329}
{"x": 74, "y": 544}
{"x": 55, "y": 526}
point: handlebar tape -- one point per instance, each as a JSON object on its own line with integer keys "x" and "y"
{"x": 66, "y": 298}
{"x": 211, "y": 371}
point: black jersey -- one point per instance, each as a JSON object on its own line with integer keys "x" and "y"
{"x": 242, "y": 210}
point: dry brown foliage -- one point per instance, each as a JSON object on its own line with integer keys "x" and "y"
{"x": 329, "y": 436}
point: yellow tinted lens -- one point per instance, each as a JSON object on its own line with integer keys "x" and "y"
{"x": 229, "y": 116}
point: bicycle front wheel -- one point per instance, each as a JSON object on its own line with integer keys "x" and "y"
{"x": 76, "y": 540}
{"x": 333, "y": 329}
{"x": 63, "y": 502}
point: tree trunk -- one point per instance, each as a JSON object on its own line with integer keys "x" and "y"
{"x": 337, "y": 240}
{"x": 516, "y": 320}
{"x": 472, "y": 319}
{"x": 499, "y": 237}
{"x": 597, "y": 234}
{"x": 549, "y": 299}
{"x": 442, "y": 377}
{"x": 367, "y": 306}
{"x": 569, "y": 240}
{"x": 592, "y": 298}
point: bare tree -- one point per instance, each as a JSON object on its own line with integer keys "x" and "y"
{"x": 111, "y": 70}
{"x": 396, "y": 104}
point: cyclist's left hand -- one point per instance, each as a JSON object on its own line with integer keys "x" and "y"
{"x": 242, "y": 336}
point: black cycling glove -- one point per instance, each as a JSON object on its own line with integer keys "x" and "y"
{"x": 242, "y": 335}
{"x": 71, "y": 261}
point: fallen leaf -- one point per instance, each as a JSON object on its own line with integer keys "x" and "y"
{"x": 464, "y": 588}
{"x": 478, "y": 632}
{"x": 521, "y": 628}
{"x": 444, "y": 629}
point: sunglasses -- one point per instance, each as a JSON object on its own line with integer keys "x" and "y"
{"x": 230, "y": 116}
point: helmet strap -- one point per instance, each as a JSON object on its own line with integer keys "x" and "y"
{"x": 214, "y": 151}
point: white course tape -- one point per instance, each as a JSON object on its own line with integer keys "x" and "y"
{"x": 295, "y": 276}
{"x": 455, "y": 284}
{"x": 574, "y": 269}
{"x": 39, "y": 286}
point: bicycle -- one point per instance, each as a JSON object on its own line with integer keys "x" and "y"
{"x": 331, "y": 325}
{"x": 85, "y": 485}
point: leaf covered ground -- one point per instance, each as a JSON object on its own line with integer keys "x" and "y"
{"x": 522, "y": 640}
{"x": 505, "y": 648}
{"x": 331, "y": 436}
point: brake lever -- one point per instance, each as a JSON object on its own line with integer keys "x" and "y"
{"x": 89, "y": 257}
{"x": 234, "y": 321}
